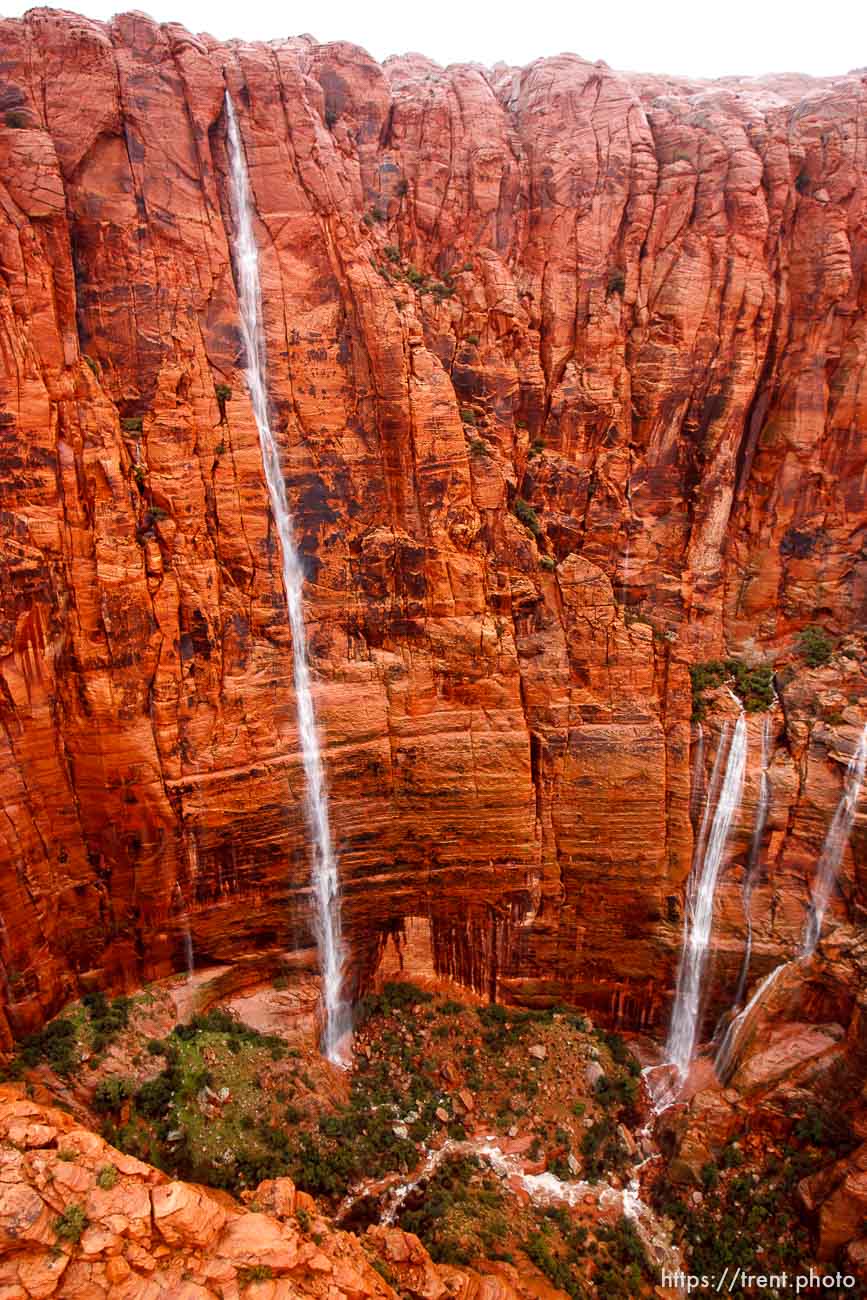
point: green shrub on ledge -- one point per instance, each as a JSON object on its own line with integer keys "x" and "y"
{"x": 815, "y": 646}
{"x": 754, "y": 686}
{"x": 525, "y": 513}
{"x": 71, "y": 1223}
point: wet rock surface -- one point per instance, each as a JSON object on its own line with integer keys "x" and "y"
{"x": 564, "y": 369}
{"x": 454, "y": 1158}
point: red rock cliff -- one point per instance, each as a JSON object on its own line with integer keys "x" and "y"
{"x": 635, "y": 304}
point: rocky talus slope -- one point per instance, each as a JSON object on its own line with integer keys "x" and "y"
{"x": 80, "y": 1219}
{"x": 568, "y": 372}
{"x": 473, "y": 1151}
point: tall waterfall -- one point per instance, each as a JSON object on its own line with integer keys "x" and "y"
{"x": 835, "y": 844}
{"x": 755, "y": 853}
{"x": 325, "y": 878}
{"x": 701, "y": 891}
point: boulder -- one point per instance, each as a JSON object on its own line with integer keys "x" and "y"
{"x": 187, "y": 1215}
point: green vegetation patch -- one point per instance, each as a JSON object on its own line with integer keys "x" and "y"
{"x": 753, "y": 685}
{"x": 525, "y": 513}
{"x": 749, "y": 1215}
{"x": 70, "y": 1225}
{"x": 228, "y": 1106}
{"x": 205, "y": 1116}
{"x": 92, "y": 1024}
{"x": 612, "y": 1263}
{"x": 458, "y": 1212}
{"x": 815, "y": 646}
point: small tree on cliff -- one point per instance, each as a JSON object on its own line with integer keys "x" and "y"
{"x": 223, "y": 394}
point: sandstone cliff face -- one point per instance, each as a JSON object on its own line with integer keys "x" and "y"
{"x": 662, "y": 283}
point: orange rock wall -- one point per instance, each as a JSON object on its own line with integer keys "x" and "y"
{"x": 662, "y": 282}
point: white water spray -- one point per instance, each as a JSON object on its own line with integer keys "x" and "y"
{"x": 711, "y": 799}
{"x": 753, "y": 860}
{"x": 326, "y": 882}
{"x": 835, "y": 844}
{"x": 701, "y": 891}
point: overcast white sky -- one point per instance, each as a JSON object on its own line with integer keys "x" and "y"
{"x": 699, "y": 39}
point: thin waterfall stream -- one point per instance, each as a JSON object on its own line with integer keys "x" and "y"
{"x": 726, "y": 1057}
{"x": 753, "y": 862}
{"x": 325, "y": 877}
{"x": 835, "y": 844}
{"x": 836, "y": 839}
{"x": 701, "y": 892}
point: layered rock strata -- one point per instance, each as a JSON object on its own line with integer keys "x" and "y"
{"x": 568, "y": 373}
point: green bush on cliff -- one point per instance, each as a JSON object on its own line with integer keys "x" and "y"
{"x": 525, "y": 513}
{"x": 221, "y": 1022}
{"x": 396, "y": 995}
{"x": 458, "y": 1218}
{"x": 603, "y": 1150}
{"x": 822, "y": 1127}
{"x": 111, "y": 1093}
{"x": 154, "y": 1097}
{"x": 815, "y": 646}
{"x": 613, "y": 1263}
{"x": 620, "y": 1275}
{"x": 753, "y": 685}
{"x": 107, "y": 1019}
{"x": 329, "y": 1168}
{"x": 56, "y": 1044}
{"x": 71, "y": 1223}
{"x": 562, "y": 1270}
